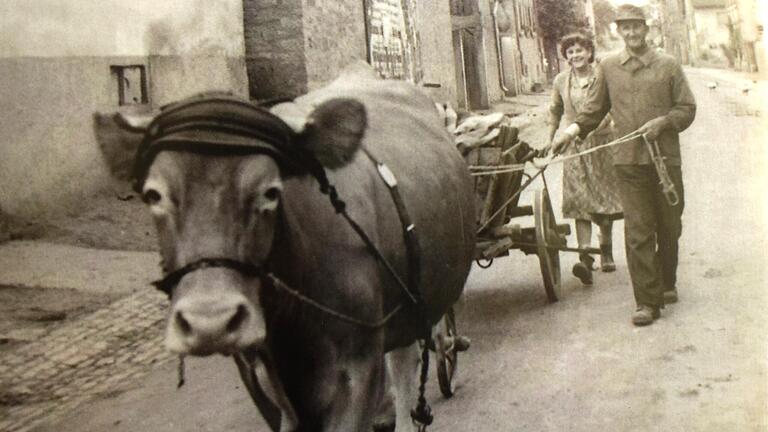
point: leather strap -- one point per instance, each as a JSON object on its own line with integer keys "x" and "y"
{"x": 413, "y": 249}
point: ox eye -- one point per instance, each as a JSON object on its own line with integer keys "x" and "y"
{"x": 272, "y": 194}
{"x": 151, "y": 197}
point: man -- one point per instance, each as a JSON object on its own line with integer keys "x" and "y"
{"x": 644, "y": 91}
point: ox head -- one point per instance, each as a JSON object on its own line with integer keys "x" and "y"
{"x": 210, "y": 169}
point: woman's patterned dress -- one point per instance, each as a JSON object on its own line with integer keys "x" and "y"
{"x": 589, "y": 182}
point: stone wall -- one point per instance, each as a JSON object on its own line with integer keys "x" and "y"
{"x": 274, "y": 47}
{"x": 334, "y": 32}
{"x": 293, "y": 46}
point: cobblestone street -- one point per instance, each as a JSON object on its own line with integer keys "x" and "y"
{"x": 87, "y": 358}
{"x": 80, "y": 356}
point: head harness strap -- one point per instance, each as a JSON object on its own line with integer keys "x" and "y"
{"x": 170, "y": 280}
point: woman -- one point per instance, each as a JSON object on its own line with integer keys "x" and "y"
{"x": 589, "y": 182}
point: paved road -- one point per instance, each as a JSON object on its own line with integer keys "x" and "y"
{"x": 577, "y": 365}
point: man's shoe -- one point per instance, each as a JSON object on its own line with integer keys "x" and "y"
{"x": 670, "y": 296}
{"x": 645, "y": 315}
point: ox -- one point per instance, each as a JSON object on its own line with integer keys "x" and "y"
{"x": 261, "y": 266}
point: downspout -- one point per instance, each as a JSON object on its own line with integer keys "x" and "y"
{"x": 502, "y": 74}
{"x": 516, "y": 23}
{"x": 463, "y": 71}
{"x": 368, "y": 53}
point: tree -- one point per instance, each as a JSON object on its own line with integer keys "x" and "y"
{"x": 556, "y": 18}
{"x": 559, "y": 17}
{"x": 605, "y": 13}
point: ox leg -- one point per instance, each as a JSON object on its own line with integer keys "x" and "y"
{"x": 385, "y": 415}
{"x": 358, "y": 391}
{"x": 403, "y": 369}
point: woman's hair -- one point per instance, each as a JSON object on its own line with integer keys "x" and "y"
{"x": 582, "y": 39}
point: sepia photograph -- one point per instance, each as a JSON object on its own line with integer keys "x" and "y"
{"x": 383, "y": 216}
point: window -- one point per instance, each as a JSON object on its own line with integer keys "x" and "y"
{"x": 131, "y": 84}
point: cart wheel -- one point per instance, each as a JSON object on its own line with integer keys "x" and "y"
{"x": 547, "y": 235}
{"x": 446, "y": 353}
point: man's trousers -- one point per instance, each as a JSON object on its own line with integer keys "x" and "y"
{"x": 652, "y": 228}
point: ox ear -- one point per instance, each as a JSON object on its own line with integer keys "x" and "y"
{"x": 118, "y": 136}
{"x": 334, "y": 131}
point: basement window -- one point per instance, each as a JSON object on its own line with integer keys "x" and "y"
{"x": 131, "y": 84}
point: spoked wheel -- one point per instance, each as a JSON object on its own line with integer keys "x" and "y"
{"x": 547, "y": 238}
{"x": 447, "y": 353}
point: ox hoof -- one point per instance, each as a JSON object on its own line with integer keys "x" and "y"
{"x": 384, "y": 426}
{"x": 461, "y": 343}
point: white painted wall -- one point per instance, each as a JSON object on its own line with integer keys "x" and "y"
{"x": 55, "y": 59}
{"x": 710, "y": 31}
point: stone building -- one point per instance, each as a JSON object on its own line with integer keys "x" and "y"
{"x": 297, "y": 45}
{"x": 745, "y": 22}
{"x": 711, "y": 41}
{"x": 674, "y": 21}
{"x": 588, "y": 10}
{"x": 61, "y": 61}
{"x": 729, "y": 32}
{"x": 519, "y": 46}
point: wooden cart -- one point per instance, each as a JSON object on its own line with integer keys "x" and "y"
{"x": 498, "y": 201}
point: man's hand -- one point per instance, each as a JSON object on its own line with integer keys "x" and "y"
{"x": 653, "y": 128}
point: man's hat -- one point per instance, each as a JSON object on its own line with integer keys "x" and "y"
{"x": 628, "y": 12}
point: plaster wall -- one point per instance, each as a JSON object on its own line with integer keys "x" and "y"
{"x": 490, "y": 53}
{"x": 433, "y": 30}
{"x": 55, "y": 71}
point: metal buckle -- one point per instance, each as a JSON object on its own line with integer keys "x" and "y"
{"x": 667, "y": 186}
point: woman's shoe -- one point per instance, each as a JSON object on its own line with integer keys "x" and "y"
{"x": 584, "y": 274}
{"x": 606, "y": 258}
{"x": 583, "y": 269}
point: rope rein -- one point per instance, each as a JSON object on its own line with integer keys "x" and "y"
{"x": 277, "y": 283}
{"x": 510, "y": 199}
{"x": 484, "y": 170}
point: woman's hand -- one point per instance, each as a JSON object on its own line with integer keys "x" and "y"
{"x": 544, "y": 150}
{"x": 560, "y": 144}
{"x": 570, "y": 133}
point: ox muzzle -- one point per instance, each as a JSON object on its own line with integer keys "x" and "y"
{"x": 209, "y": 314}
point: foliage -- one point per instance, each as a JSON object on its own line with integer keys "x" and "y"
{"x": 605, "y": 13}
{"x": 559, "y": 17}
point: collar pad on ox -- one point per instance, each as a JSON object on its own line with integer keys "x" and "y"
{"x": 217, "y": 124}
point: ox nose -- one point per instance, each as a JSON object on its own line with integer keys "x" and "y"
{"x": 203, "y": 326}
